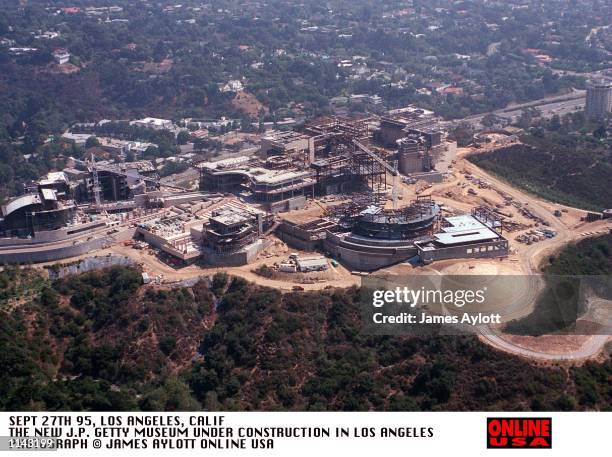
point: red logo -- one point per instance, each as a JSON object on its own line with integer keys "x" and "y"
{"x": 519, "y": 433}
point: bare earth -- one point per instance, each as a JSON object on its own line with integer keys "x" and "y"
{"x": 455, "y": 196}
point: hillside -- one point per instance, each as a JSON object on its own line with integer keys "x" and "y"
{"x": 563, "y": 168}
{"x": 554, "y": 312}
{"x": 592, "y": 256}
{"x": 100, "y": 341}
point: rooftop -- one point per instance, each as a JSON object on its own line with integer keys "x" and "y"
{"x": 20, "y": 202}
{"x": 230, "y": 216}
{"x": 464, "y": 229}
{"x": 232, "y": 162}
{"x": 264, "y": 176}
{"x": 54, "y": 177}
{"x": 288, "y": 136}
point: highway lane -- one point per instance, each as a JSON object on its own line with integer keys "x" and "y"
{"x": 558, "y": 104}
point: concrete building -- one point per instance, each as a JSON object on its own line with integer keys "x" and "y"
{"x": 154, "y": 123}
{"x": 290, "y": 143}
{"x": 308, "y": 236}
{"x": 175, "y": 234}
{"x": 120, "y": 147}
{"x": 282, "y": 190}
{"x": 233, "y": 236}
{"x": 398, "y": 123}
{"x": 40, "y": 211}
{"x": 310, "y": 264}
{"x": 58, "y": 182}
{"x": 413, "y": 155}
{"x": 78, "y": 138}
{"x": 377, "y": 238}
{"x": 277, "y": 190}
{"x": 119, "y": 181}
{"x": 599, "y": 99}
{"x": 465, "y": 236}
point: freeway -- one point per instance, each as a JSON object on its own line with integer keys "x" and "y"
{"x": 558, "y": 104}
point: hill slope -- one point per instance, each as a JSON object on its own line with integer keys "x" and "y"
{"x": 100, "y": 341}
{"x": 563, "y": 168}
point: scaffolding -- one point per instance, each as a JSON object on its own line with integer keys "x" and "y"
{"x": 489, "y": 217}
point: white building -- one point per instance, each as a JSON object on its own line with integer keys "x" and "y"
{"x": 61, "y": 56}
{"x": 154, "y": 123}
{"x": 233, "y": 85}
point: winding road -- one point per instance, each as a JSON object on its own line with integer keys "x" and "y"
{"x": 531, "y": 261}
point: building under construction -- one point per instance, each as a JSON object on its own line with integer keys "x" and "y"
{"x": 476, "y": 235}
{"x": 117, "y": 182}
{"x": 351, "y": 168}
{"x": 276, "y": 188}
{"x": 365, "y": 236}
{"x": 413, "y": 155}
{"x": 345, "y": 161}
{"x": 417, "y": 136}
{"x": 233, "y": 237}
{"x": 331, "y": 155}
{"x": 402, "y": 122}
{"x": 375, "y": 237}
{"x": 40, "y": 211}
{"x": 298, "y": 146}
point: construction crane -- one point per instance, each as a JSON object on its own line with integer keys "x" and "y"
{"x": 394, "y": 192}
{"x": 96, "y": 182}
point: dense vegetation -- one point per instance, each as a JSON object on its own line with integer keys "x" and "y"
{"x": 101, "y": 341}
{"x": 173, "y": 61}
{"x": 592, "y": 256}
{"x": 569, "y": 168}
{"x": 167, "y": 60}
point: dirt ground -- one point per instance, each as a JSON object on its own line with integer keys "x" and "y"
{"x": 150, "y": 263}
{"x": 524, "y": 259}
{"x": 248, "y": 104}
{"x": 467, "y": 186}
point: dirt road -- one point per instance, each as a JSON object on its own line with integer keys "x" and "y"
{"x": 339, "y": 276}
{"x": 531, "y": 259}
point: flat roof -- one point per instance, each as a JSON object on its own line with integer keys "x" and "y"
{"x": 276, "y": 177}
{"x": 285, "y": 136}
{"x": 229, "y": 216}
{"x": 225, "y": 163}
{"x": 54, "y": 177}
{"x": 461, "y": 223}
{"x": 49, "y": 194}
{"x": 464, "y": 229}
{"x": 311, "y": 262}
{"x": 152, "y": 120}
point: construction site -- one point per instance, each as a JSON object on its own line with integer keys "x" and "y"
{"x": 311, "y": 209}
{"x": 371, "y": 193}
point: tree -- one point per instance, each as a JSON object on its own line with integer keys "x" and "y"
{"x": 600, "y": 132}
{"x": 91, "y": 142}
{"x": 525, "y": 119}
{"x": 199, "y": 144}
{"x": 463, "y": 134}
{"x": 183, "y": 137}
{"x": 555, "y": 123}
{"x": 489, "y": 120}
